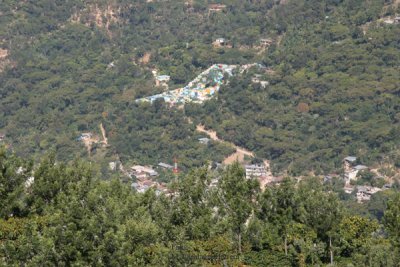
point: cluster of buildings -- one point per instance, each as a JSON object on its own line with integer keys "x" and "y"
{"x": 139, "y": 171}
{"x": 262, "y": 174}
{"x": 141, "y": 185}
{"x": 200, "y": 89}
{"x": 255, "y": 170}
{"x": 364, "y": 192}
{"x": 351, "y": 169}
{"x": 145, "y": 178}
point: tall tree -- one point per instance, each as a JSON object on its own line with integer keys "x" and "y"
{"x": 237, "y": 196}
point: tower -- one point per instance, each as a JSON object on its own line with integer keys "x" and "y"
{"x": 175, "y": 170}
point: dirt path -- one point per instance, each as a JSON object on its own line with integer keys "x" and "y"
{"x": 103, "y": 132}
{"x": 146, "y": 58}
{"x": 88, "y": 142}
{"x": 238, "y": 155}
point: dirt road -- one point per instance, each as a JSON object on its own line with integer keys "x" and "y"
{"x": 238, "y": 155}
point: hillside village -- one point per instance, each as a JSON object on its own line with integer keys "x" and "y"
{"x": 202, "y": 88}
{"x": 144, "y": 178}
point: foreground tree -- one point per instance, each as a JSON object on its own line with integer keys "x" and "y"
{"x": 237, "y": 197}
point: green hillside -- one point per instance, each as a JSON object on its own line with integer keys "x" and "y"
{"x": 333, "y": 89}
{"x": 86, "y": 175}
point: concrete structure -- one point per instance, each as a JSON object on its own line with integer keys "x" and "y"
{"x": 144, "y": 185}
{"x": 29, "y": 182}
{"x": 142, "y": 171}
{"x": 162, "y": 79}
{"x": 351, "y": 171}
{"x": 360, "y": 167}
{"x": 165, "y": 166}
{"x": 85, "y": 136}
{"x": 364, "y": 193}
{"x": 219, "y": 42}
{"x": 113, "y": 165}
{"x": 255, "y": 171}
{"x": 204, "y": 140}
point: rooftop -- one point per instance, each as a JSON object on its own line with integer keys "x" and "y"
{"x": 350, "y": 158}
{"x": 360, "y": 167}
{"x": 165, "y": 165}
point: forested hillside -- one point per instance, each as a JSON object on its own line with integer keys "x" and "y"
{"x": 332, "y": 68}
{"x": 326, "y": 85}
{"x": 66, "y": 215}
{"x": 82, "y": 63}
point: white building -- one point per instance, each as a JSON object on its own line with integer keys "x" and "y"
{"x": 351, "y": 171}
{"x": 255, "y": 171}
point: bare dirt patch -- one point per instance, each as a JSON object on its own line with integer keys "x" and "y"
{"x": 102, "y": 17}
{"x": 103, "y": 133}
{"x": 146, "y": 58}
{"x": 3, "y": 53}
{"x": 4, "y": 61}
{"x": 240, "y": 153}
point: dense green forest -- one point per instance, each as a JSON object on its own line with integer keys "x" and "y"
{"x": 67, "y": 66}
{"x": 69, "y": 216}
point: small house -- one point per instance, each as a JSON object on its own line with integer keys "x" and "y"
{"x": 165, "y": 166}
{"x": 254, "y": 170}
{"x": 85, "y": 136}
{"x": 364, "y": 193}
{"x": 2, "y": 136}
{"x": 350, "y": 159}
{"x": 219, "y": 42}
{"x": 143, "y": 171}
{"x": 349, "y": 172}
